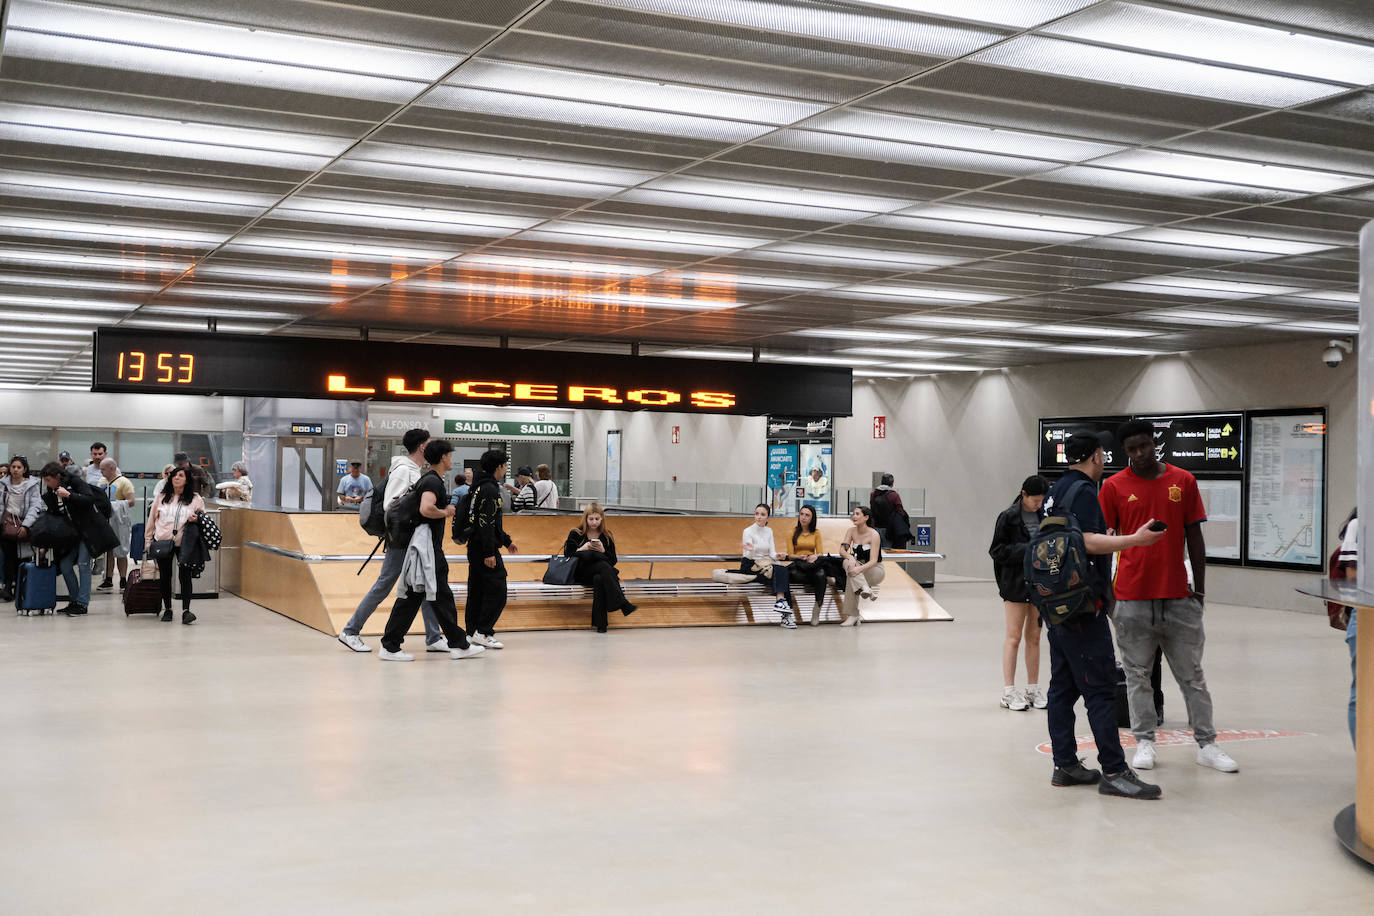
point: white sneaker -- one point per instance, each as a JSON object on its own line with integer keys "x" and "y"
{"x": 1012, "y": 699}
{"x": 1209, "y": 755}
{"x": 439, "y": 645}
{"x": 354, "y": 642}
{"x": 386, "y": 656}
{"x": 1036, "y": 697}
{"x": 471, "y": 651}
{"x": 1144, "y": 758}
{"x": 477, "y": 639}
{"x": 787, "y": 622}
{"x": 782, "y": 607}
{"x": 494, "y": 643}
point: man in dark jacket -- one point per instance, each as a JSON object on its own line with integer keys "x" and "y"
{"x": 67, "y": 495}
{"x": 1016, "y": 525}
{"x": 889, "y": 515}
{"x": 486, "y": 597}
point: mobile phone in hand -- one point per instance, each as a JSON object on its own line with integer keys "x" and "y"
{"x": 1159, "y": 526}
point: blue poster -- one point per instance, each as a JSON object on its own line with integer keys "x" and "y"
{"x": 816, "y": 460}
{"x": 782, "y": 476}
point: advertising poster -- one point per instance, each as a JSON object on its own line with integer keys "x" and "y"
{"x": 816, "y": 490}
{"x": 782, "y": 477}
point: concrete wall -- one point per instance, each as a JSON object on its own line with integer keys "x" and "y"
{"x": 713, "y": 449}
{"x": 970, "y": 439}
{"x": 99, "y": 410}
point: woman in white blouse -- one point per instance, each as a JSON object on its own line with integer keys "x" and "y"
{"x": 761, "y": 554}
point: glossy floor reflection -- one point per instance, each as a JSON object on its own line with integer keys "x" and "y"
{"x": 251, "y": 765}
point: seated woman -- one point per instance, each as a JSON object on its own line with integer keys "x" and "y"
{"x": 592, "y": 544}
{"x": 863, "y": 565}
{"x": 760, "y": 554}
{"x": 810, "y": 566}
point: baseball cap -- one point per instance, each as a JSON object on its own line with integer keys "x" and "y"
{"x": 525, "y": 471}
{"x": 1080, "y": 446}
{"x": 355, "y": 464}
{"x": 64, "y": 455}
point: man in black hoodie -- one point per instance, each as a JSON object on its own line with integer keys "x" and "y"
{"x": 66, "y": 494}
{"x": 486, "y": 597}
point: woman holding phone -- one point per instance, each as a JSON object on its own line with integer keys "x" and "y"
{"x": 592, "y": 544}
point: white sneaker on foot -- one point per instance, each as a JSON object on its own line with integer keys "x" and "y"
{"x": 397, "y": 656}
{"x": 489, "y": 642}
{"x": 1036, "y": 697}
{"x": 471, "y": 651}
{"x": 439, "y": 645}
{"x": 787, "y": 622}
{"x": 1012, "y": 699}
{"x": 1209, "y": 755}
{"x": 354, "y": 642}
{"x": 1144, "y": 758}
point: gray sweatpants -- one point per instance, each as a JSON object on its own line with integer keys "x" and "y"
{"x": 392, "y": 561}
{"x": 1175, "y": 625}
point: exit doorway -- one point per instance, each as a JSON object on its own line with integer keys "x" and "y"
{"x": 305, "y": 474}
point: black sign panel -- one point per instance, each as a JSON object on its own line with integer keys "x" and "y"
{"x": 132, "y": 360}
{"x": 1055, "y": 432}
{"x": 1201, "y": 443}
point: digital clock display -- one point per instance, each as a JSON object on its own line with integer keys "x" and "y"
{"x": 128, "y": 360}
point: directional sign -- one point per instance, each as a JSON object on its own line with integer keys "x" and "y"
{"x": 1201, "y": 443}
{"x": 1055, "y": 432}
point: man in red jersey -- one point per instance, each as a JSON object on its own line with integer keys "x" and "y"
{"x": 1156, "y": 605}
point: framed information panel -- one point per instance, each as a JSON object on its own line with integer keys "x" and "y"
{"x": 1286, "y": 498}
{"x": 1223, "y": 532}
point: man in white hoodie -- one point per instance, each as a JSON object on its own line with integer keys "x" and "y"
{"x": 405, "y": 470}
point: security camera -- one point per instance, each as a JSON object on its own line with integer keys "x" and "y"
{"x": 1335, "y": 352}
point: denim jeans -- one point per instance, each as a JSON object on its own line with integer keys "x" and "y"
{"x": 1350, "y": 641}
{"x": 1082, "y": 664}
{"x": 392, "y": 561}
{"x": 80, "y": 558}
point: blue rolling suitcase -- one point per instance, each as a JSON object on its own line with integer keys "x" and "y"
{"x": 136, "y": 542}
{"x": 37, "y": 589}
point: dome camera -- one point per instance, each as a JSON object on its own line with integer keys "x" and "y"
{"x": 1335, "y": 352}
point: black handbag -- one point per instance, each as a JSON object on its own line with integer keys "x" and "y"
{"x": 54, "y": 531}
{"x": 210, "y": 533}
{"x": 561, "y": 571}
{"x": 161, "y": 550}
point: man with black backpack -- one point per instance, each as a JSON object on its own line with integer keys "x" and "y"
{"x": 67, "y": 497}
{"x": 405, "y": 471}
{"x": 1082, "y": 658}
{"x": 485, "y": 537}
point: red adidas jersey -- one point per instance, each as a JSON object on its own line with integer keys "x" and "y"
{"x": 1129, "y": 501}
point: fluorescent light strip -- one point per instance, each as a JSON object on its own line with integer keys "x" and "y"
{"x": 1345, "y": 297}
{"x": 739, "y": 205}
{"x": 122, "y": 263}
{"x": 211, "y": 271}
{"x": 404, "y": 215}
{"x": 1070, "y": 330}
{"x": 1021, "y": 14}
{"x": 1008, "y": 343}
{"x": 1222, "y": 41}
{"x": 1103, "y": 351}
{"x": 460, "y": 178}
{"x": 1204, "y": 318}
{"x": 557, "y": 266}
{"x": 220, "y": 312}
{"x": 1231, "y": 171}
{"x": 1141, "y": 182}
{"x": 127, "y": 286}
{"x": 1201, "y": 287}
{"x": 935, "y": 133}
{"x": 870, "y": 148}
{"x": 521, "y": 166}
{"x": 940, "y": 367}
{"x": 915, "y": 293}
{"x": 1194, "y": 238}
{"x": 883, "y": 373}
{"x": 171, "y": 324}
{"x": 738, "y": 355}
{"x": 585, "y": 114}
{"x": 61, "y": 304}
{"x": 954, "y": 321}
{"x": 974, "y": 230}
{"x": 856, "y": 334}
{"x": 74, "y": 229}
{"x": 769, "y": 193}
{"x": 1325, "y": 327}
{"x": 854, "y": 256}
{"x": 1126, "y": 68}
{"x": 201, "y": 291}
{"x": 1020, "y": 219}
{"x": 134, "y": 193}
{"x": 308, "y": 247}
{"x": 906, "y": 353}
{"x": 532, "y": 295}
{"x": 819, "y": 360}
{"x": 751, "y": 281}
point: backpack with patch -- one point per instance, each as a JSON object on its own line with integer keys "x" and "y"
{"x": 100, "y": 500}
{"x": 1057, "y": 568}
{"x": 371, "y": 515}
{"x": 463, "y": 522}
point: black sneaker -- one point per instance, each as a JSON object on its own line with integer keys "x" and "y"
{"x": 123, "y": 584}
{"x": 188, "y": 618}
{"x": 1076, "y": 775}
{"x": 73, "y": 610}
{"x": 105, "y": 585}
{"x": 166, "y": 615}
{"x": 6, "y": 594}
{"x": 1127, "y": 785}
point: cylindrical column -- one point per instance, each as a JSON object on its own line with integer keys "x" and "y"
{"x": 1364, "y": 727}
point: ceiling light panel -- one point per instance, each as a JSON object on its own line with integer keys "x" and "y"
{"x": 915, "y": 293}
{"x": 94, "y": 230}
{"x": 1009, "y": 343}
{"x": 1224, "y": 241}
{"x": 336, "y": 249}
{"x": 857, "y": 334}
{"x": 830, "y": 22}
{"x": 557, "y": 266}
{"x": 1199, "y": 287}
{"x": 125, "y": 285}
{"x": 1095, "y": 350}
{"x": 670, "y": 239}
{"x": 1323, "y": 327}
{"x": 1231, "y": 171}
{"x": 1203, "y": 318}
{"x": 130, "y": 264}
{"x": 955, "y": 321}
{"x": 853, "y": 256}
{"x": 1021, "y": 219}
{"x": 1143, "y": 183}
{"x": 1159, "y": 74}
{"x": 880, "y": 150}
{"x": 930, "y": 132}
{"x": 515, "y": 166}
{"x": 166, "y": 137}
{"x": 217, "y": 269}
{"x": 51, "y": 186}
{"x": 918, "y": 223}
{"x": 1022, "y": 14}
{"x": 429, "y": 219}
{"x": 1223, "y": 41}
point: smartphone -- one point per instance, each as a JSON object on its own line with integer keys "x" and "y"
{"x": 1159, "y": 526}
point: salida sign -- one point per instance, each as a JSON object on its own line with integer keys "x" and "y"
{"x": 508, "y": 428}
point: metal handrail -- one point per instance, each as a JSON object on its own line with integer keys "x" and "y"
{"x": 544, "y": 557}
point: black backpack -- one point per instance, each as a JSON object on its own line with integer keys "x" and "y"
{"x": 99, "y": 498}
{"x": 403, "y": 515}
{"x": 880, "y": 507}
{"x": 1057, "y": 569}
{"x": 463, "y": 522}
{"x": 371, "y": 515}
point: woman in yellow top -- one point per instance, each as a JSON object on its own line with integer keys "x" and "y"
{"x": 807, "y": 553}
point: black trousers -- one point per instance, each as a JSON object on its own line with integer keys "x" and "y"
{"x": 445, "y": 612}
{"x": 607, "y": 595}
{"x": 1083, "y": 664}
{"x": 486, "y": 595}
{"x": 813, "y": 575}
{"x": 10, "y": 549}
{"x": 164, "y": 582}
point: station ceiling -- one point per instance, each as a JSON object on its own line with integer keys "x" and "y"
{"x": 904, "y": 186}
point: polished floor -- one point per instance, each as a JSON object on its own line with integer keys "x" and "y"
{"x": 250, "y": 765}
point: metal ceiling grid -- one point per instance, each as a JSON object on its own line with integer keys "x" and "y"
{"x": 997, "y": 180}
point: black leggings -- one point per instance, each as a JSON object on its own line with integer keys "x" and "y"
{"x": 813, "y": 575}
{"x": 164, "y": 582}
{"x": 604, "y": 581}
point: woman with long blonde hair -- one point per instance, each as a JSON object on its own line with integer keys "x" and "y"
{"x": 592, "y": 544}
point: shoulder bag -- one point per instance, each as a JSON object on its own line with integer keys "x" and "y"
{"x": 561, "y": 570}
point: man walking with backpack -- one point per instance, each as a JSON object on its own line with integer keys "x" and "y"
{"x": 1157, "y": 606}
{"x": 405, "y": 471}
{"x": 1082, "y": 662}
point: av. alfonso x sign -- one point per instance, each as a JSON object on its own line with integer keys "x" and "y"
{"x": 131, "y": 360}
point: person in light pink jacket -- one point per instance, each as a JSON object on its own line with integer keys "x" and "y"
{"x": 176, "y": 506}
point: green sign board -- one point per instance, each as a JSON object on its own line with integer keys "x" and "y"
{"x": 519, "y": 428}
